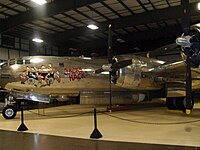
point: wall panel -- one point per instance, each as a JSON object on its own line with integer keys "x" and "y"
{"x": 3, "y": 53}
{"x": 24, "y": 53}
{"x": 13, "y": 53}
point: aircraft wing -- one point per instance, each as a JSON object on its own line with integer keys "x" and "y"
{"x": 176, "y": 68}
{"x": 175, "y": 75}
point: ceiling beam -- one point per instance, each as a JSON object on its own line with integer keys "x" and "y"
{"x": 135, "y": 37}
{"x": 166, "y": 32}
{"x": 158, "y": 15}
{"x": 133, "y": 20}
{"x": 46, "y": 10}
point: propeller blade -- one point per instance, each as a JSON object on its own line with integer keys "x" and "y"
{"x": 115, "y": 66}
{"x": 110, "y": 62}
{"x": 100, "y": 70}
{"x": 122, "y": 64}
{"x": 110, "y": 55}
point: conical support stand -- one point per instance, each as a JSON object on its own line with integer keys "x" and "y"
{"x": 96, "y": 133}
{"x": 22, "y": 127}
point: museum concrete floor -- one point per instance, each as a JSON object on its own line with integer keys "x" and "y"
{"x": 148, "y": 126}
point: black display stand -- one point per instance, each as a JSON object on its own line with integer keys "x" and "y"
{"x": 95, "y": 134}
{"x": 22, "y": 127}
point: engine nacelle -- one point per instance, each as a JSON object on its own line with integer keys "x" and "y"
{"x": 191, "y": 44}
{"x": 129, "y": 77}
{"x": 138, "y": 97}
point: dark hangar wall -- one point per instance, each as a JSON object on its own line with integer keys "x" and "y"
{"x": 12, "y": 47}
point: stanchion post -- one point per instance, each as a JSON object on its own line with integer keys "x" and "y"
{"x": 95, "y": 118}
{"x": 22, "y": 127}
{"x": 95, "y": 134}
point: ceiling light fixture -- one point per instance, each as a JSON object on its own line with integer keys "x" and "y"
{"x": 198, "y": 5}
{"x": 120, "y": 40}
{"x": 40, "y": 2}
{"x": 37, "y": 40}
{"x": 93, "y": 27}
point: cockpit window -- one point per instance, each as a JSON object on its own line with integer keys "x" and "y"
{"x": 20, "y": 61}
{"x": 27, "y": 62}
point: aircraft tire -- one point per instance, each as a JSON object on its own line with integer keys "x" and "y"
{"x": 178, "y": 103}
{"x": 171, "y": 103}
{"x": 184, "y": 104}
{"x": 9, "y": 112}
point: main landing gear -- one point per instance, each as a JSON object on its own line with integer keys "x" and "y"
{"x": 179, "y": 103}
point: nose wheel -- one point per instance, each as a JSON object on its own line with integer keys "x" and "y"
{"x": 9, "y": 112}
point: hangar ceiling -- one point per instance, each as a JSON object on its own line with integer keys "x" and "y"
{"x": 137, "y": 24}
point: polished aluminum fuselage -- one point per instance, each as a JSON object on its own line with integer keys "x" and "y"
{"x": 77, "y": 74}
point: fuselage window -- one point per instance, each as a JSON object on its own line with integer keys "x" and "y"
{"x": 20, "y": 61}
{"x": 61, "y": 64}
{"x": 27, "y": 62}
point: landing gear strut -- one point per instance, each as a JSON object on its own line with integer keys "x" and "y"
{"x": 178, "y": 103}
{"x": 10, "y": 110}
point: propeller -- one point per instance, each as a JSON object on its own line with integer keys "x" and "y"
{"x": 190, "y": 45}
{"x": 113, "y": 65}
